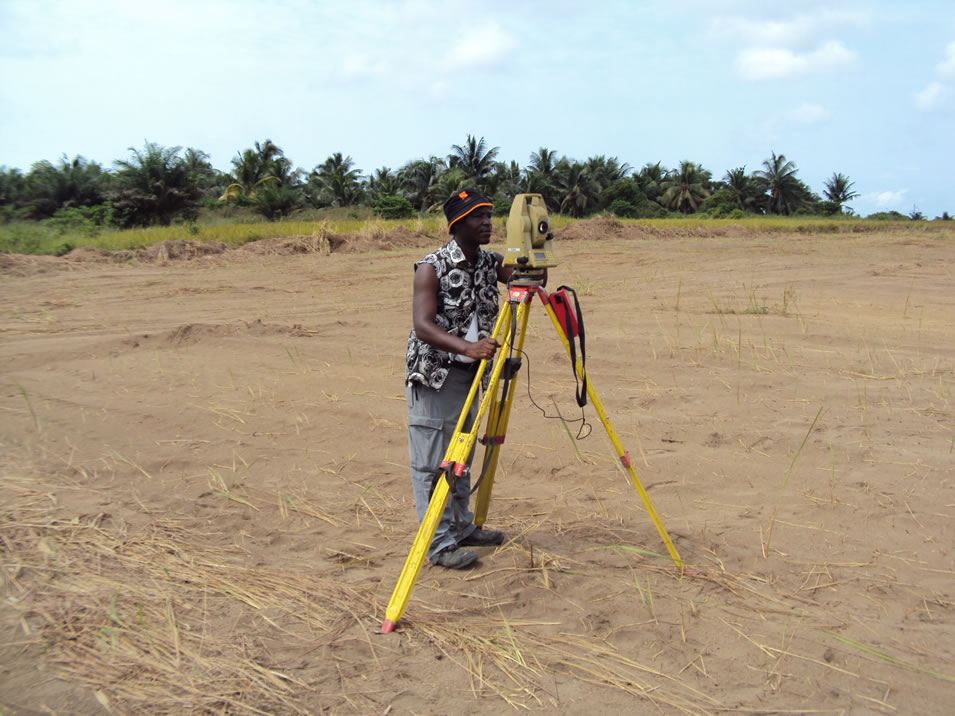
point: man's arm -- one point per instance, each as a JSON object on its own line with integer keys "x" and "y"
{"x": 425, "y": 308}
{"x": 503, "y": 272}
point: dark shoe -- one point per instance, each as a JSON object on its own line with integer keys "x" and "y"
{"x": 454, "y": 558}
{"x": 482, "y": 538}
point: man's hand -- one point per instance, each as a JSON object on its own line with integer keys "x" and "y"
{"x": 484, "y": 349}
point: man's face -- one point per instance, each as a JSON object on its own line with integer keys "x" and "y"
{"x": 476, "y": 226}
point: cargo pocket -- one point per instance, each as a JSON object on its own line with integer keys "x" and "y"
{"x": 425, "y": 442}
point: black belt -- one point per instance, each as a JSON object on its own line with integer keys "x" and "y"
{"x": 464, "y": 367}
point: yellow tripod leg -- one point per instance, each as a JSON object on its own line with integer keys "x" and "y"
{"x": 426, "y": 530}
{"x": 621, "y": 453}
{"x": 497, "y": 420}
{"x": 456, "y": 455}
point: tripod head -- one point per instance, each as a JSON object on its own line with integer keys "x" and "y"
{"x": 528, "y": 239}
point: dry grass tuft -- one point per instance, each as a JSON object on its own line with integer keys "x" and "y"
{"x": 159, "y": 619}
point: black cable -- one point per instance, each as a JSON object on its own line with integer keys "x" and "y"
{"x": 582, "y": 419}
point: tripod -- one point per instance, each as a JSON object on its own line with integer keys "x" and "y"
{"x": 496, "y": 404}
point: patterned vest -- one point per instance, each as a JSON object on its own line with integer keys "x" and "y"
{"x": 462, "y": 290}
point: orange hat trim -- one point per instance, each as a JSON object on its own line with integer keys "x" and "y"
{"x": 476, "y": 206}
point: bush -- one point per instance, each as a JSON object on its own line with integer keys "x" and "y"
{"x": 23, "y": 238}
{"x": 625, "y": 190}
{"x": 828, "y": 208}
{"x": 628, "y": 197}
{"x": 888, "y": 216}
{"x": 394, "y": 207}
{"x": 502, "y": 206}
{"x": 651, "y": 210}
{"x": 719, "y": 204}
{"x": 86, "y": 220}
{"x": 623, "y": 209}
{"x": 11, "y": 212}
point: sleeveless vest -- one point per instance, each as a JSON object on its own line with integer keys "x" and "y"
{"x": 463, "y": 289}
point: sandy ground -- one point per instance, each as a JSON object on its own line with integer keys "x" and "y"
{"x": 206, "y": 504}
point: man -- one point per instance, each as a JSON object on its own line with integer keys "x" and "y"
{"x": 454, "y": 311}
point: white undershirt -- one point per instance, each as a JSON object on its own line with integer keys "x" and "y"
{"x": 471, "y": 336}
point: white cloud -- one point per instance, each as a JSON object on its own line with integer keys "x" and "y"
{"x": 357, "y": 66}
{"x": 887, "y": 199}
{"x": 483, "y": 46}
{"x": 946, "y": 68}
{"x": 791, "y": 32}
{"x": 935, "y": 95}
{"x": 931, "y": 97}
{"x": 790, "y": 46}
{"x": 762, "y": 64}
{"x": 773, "y": 63}
{"x": 808, "y": 113}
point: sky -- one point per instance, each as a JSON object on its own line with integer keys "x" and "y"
{"x": 866, "y": 89}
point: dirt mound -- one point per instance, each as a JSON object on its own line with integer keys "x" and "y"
{"x": 31, "y": 265}
{"x": 180, "y": 250}
{"x": 402, "y": 238}
{"x": 600, "y": 227}
{"x": 289, "y": 245}
{"x": 374, "y": 238}
{"x": 377, "y": 239}
{"x": 93, "y": 254}
{"x": 607, "y": 227}
{"x": 27, "y": 265}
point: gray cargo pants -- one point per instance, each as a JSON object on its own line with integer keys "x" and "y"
{"x": 432, "y": 417}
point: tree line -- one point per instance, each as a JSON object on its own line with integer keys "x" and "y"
{"x": 159, "y": 185}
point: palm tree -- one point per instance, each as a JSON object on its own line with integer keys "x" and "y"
{"x": 650, "y": 178}
{"x": 336, "y": 182}
{"x": 383, "y": 182}
{"x": 253, "y": 169}
{"x": 505, "y": 181}
{"x": 154, "y": 186}
{"x": 540, "y": 177}
{"x": 418, "y": 178}
{"x": 544, "y": 162}
{"x": 741, "y": 187}
{"x": 208, "y": 179}
{"x": 685, "y": 188}
{"x": 783, "y": 189}
{"x": 11, "y": 187}
{"x": 474, "y": 159}
{"x": 839, "y": 189}
{"x": 534, "y": 182}
{"x": 277, "y": 200}
{"x": 578, "y": 191}
{"x": 606, "y": 171}
{"x": 450, "y": 182}
{"x": 75, "y": 182}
